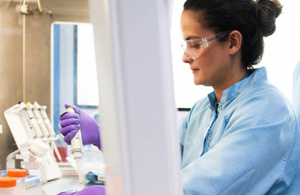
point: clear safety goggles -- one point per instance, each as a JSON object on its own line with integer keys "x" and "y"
{"x": 194, "y": 47}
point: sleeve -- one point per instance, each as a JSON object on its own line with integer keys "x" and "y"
{"x": 249, "y": 155}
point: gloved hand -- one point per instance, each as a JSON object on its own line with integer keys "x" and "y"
{"x": 70, "y": 124}
{"x": 93, "y": 190}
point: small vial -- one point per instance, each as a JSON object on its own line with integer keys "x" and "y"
{"x": 8, "y": 186}
{"x": 20, "y": 175}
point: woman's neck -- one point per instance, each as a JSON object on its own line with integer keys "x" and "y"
{"x": 230, "y": 80}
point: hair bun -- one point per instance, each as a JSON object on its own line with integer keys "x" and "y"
{"x": 267, "y": 11}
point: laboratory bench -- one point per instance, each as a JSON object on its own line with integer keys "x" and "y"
{"x": 63, "y": 184}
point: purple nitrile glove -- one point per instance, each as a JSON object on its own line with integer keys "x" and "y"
{"x": 71, "y": 123}
{"x": 93, "y": 190}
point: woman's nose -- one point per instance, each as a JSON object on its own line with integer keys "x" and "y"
{"x": 186, "y": 58}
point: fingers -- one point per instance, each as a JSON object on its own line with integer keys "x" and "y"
{"x": 69, "y": 128}
{"x": 66, "y": 130}
{"x": 68, "y": 115}
{"x": 69, "y": 121}
{"x": 69, "y": 137}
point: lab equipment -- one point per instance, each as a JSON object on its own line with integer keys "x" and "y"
{"x": 32, "y": 181}
{"x": 35, "y": 161}
{"x": 62, "y": 147}
{"x": 33, "y": 120}
{"x": 88, "y": 126}
{"x": 11, "y": 159}
{"x": 21, "y": 128}
{"x": 39, "y": 120}
{"x": 135, "y": 107}
{"x": 41, "y": 115}
{"x": 7, "y": 185}
{"x": 19, "y": 124}
{"x": 42, "y": 109}
{"x": 76, "y": 145}
{"x": 20, "y": 175}
{"x": 95, "y": 177}
{"x": 2, "y": 173}
{"x": 23, "y": 107}
{"x": 92, "y": 161}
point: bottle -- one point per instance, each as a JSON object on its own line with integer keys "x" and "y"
{"x": 35, "y": 160}
{"x": 20, "y": 175}
{"x": 62, "y": 148}
{"x": 8, "y": 185}
{"x": 39, "y": 150}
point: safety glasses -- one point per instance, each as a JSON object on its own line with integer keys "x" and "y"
{"x": 194, "y": 47}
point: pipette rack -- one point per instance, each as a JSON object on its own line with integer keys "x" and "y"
{"x": 25, "y": 130}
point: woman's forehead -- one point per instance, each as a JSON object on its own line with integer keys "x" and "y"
{"x": 191, "y": 27}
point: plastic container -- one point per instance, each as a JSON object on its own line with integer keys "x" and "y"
{"x": 32, "y": 181}
{"x": 39, "y": 150}
{"x": 92, "y": 161}
{"x": 20, "y": 175}
{"x": 8, "y": 186}
{"x": 95, "y": 177}
{"x": 35, "y": 160}
{"x": 62, "y": 149}
{"x": 2, "y": 172}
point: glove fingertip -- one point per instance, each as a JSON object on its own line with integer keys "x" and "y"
{"x": 72, "y": 106}
{"x": 68, "y": 106}
{"x": 68, "y": 116}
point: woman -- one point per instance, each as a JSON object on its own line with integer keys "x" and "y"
{"x": 243, "y": 138}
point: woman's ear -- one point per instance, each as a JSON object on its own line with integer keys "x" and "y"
{"x": 235, "y": 38}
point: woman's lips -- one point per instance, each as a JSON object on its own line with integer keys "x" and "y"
{"x": 195, "y": 70}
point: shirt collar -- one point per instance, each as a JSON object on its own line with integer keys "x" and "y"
{"x": 232, "y": 92}
{"x": 213, "y": 100}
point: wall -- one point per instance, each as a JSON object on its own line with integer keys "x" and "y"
{"x": 37, "y": 56}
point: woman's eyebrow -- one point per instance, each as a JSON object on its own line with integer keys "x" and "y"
{"x": 192, "y": 37}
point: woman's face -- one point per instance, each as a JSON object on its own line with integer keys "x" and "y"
{"x": 212, "y": 67}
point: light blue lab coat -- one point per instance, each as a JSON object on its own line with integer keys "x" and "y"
{"x": 296, "y": 91}
{"x": 250, "y": 144}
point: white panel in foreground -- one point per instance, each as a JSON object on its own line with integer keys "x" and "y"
{"x": 137, "y": 108}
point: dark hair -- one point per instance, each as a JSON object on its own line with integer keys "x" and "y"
{"x": 253, "y": 19}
